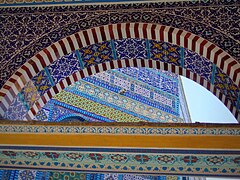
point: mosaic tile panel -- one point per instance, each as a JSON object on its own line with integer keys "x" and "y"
{"x": 56, "y": 175}
{"x": 17, "y": 110}
{"x": 58, "y": 112}
{"x": 96, "y": 108}
{"x": 26, "y": 175}
{"x": 64, "y": 67}
{"x": 163, "y": 80}
{"x": 117, "y": 101}
{"x": 53, "y": 111}
{"x": 8, "y": 174}
{"x": 42, "y": 82}
{"x": 42, "y": 115}
{"x": 97, "y": 53}
{"x": 154, "y": 163}
{"x": 226, "y": 86}
{"x": 116, "y": 81}
{"x": 130, "y": 48}
{"x": 29, "y": 94}
{"x": 198, "y": 64}
{"x": 165, "y": 52}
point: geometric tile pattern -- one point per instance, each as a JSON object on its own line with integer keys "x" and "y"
{"x": 130, "y": 48}
{"x": 122, "y": 102}
{"x": 58, "y": 112}
{"x": 96, "y": 53}
{"x": 8, "y": 174}
{"x": 226, "y": 86}
{"x": 42, "y": 115}
{"x": 198, "y": 64}
{"x": 166, "y": 81}
{"x": 102, "y": 110}
{"x": 165, "y": 52}
{"x": 199, "y": 164}
{"x": 17, "y": 110}
{"x": 26, "y": 174}
{"x": 42, "y": 82}
{"x": 64, "y": 67}
{"x": 143, "y": 92}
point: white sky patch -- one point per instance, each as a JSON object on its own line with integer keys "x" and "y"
{"x": 204, "y": 106}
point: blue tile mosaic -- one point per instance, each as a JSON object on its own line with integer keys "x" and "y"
{"x": 163, "y": 80}
{"x": 198, "y": 64}
{"x": 141, "y": 91}
{"x": 64, "y": 67}
{"x": 166, "y": 52}
{"x": 42, "y": 82}
{"x": 29, "y": 94}
{"x": 42, "y": 115}
{"x": 97, "y": 53}
{"x": 131, "y": 48}
{"x": 226, "y": 86}
{"x": 17, "y": 110}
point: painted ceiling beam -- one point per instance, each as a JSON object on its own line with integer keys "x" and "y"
{"x": 144, "y": 135}
{"x": 142, "y": 148}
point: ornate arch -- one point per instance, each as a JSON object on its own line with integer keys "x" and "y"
{"x": 120, "y": 31}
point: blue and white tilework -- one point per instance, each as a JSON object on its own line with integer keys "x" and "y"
{"x": 226, "y": 86}
{"x": 166, "y": 52}
{"x": 198, "y": 64}
{"x": 17, "y": 110}
{"x": 130, "y": 48}
{"x": 160, "y": 79}
{"x": 42, "y": 82}
{"x": 96, "y": 53}
{"x": 27, "y": 175}
{"x": 64, "y": 67}
{"x": 42, "y": 115}
{"x": 27, "y": 30}
{"x": 160, "y": 93}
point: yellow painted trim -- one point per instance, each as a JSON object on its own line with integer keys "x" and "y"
{"x": 186, "y": 142}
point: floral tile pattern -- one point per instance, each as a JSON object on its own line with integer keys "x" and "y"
{"x": 16, "y": 111}
{"x": 97, "y": 53}
{"x": 154, "y": 163}
{"x": 198, "y": 64}
{"x": 42, "y": 82}
{"x": 29, "y": 93}
{"x": 131, "y": 48}
{"x": 165, "y": 52}
{"x": 226, "y": 86}
{"x": 64, "y": 67}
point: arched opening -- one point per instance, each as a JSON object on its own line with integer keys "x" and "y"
{"x": 220, "y": 60}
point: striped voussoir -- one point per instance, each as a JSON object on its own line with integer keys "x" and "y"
{"x": 119, "y": 31}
